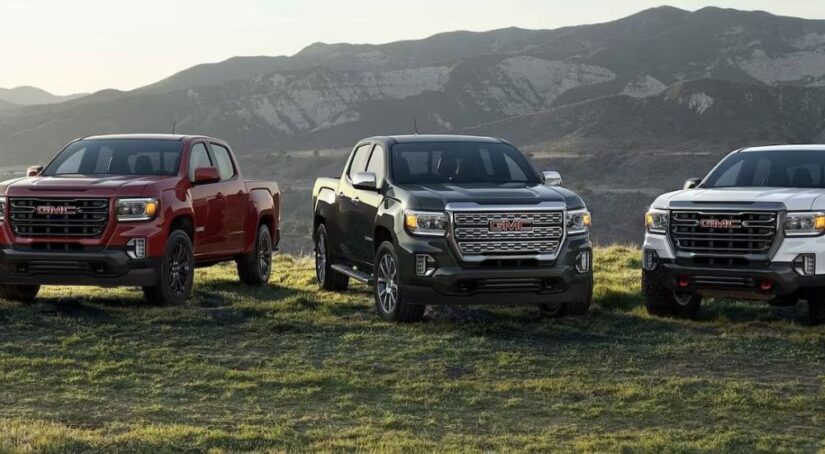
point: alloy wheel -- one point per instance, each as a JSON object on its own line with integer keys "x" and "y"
{"x": 265, "y": 256}
{"x": 387, "y": 282}
{"x": 179, "y": 270}
{"x": 321, "y": 258}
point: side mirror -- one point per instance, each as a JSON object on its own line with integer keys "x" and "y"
{"x": 34, "y": 171}
{"x": 206, "y": 175}
{"x": 552, "y": 178}
{"x": 365, "y": 180}
{"x": 691, "y": 183}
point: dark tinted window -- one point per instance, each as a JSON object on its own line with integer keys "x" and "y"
{"x": 376, "y": 164}
{"x": 199, "y": 158}
{"x": 460, "y": 162}
{"x": 359, "y": 160}
{"x": 118, "y": 157}
{"x": 781, "y": 169}
{"x": 223, "y": 161}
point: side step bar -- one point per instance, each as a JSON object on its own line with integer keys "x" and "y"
{"x": 359, "y": 276}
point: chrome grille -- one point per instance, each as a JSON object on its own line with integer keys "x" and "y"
{"x": 86, "y": 218}
{"x": 753, "y": 234}
{"x": 542, "y": 234}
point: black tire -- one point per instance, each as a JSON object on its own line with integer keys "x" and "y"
{"x": 386, "y": 289}
{"x": 328, "y": 278}
{"x": 177, "y": 273}
{"x": 816, "y": 306}
{"x": 572, "y": 308}
{"x": 662, "y": 300}
{"x": 19, "y": 293}
{"x": 255, "y": 268}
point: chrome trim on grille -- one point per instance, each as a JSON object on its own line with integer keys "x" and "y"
{"x": 755, "y": 235}
{"x": 473, "y": 240}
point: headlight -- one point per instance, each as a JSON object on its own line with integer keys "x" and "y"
{"x": 130, "y": 210}
{"x": 578, "y": 221}
{"x": 2, "y": 209}
{"x": 656, "y": 221}
{"x": 804, "y": 224}
{"x": 425, "y": 223}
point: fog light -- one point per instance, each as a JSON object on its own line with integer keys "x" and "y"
{"x": 136, "y": 248}
{"x": 424, "y": 265}
{"x": 650, "y": 260}
{"x": 583, "y": 262}
{"x": 805, "y": 264}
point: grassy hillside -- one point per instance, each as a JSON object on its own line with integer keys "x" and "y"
{"x": 292, "y": 368}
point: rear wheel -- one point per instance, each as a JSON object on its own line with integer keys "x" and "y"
{"x": 662, "y": 300}
{"x": 177, "y": 273}
{"x": 389, "y": 298}
{"x": 255, "y": 268}
{"x": 19, "y": 293}
{"x": 328, "y": 278}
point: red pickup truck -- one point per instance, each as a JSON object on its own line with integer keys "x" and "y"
{"x": 138, "y": 211}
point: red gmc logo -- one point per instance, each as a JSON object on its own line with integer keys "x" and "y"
{"x": 506, "y": 225}
{"x": 48, "y": 210}
{"x": 720, "y": 223}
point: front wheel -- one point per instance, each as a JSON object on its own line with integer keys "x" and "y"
{"x": 662, "y": 300}
{"x": 816, "y": 306}
{"x": 19, "y": 293}
{"x": 572, "y": 308}
{"x": 177, "y": 273}
{"x": 255, "y": 268}
{"x": 389, "y": 298}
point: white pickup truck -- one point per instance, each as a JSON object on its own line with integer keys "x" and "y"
{"x": 751, "y": 229}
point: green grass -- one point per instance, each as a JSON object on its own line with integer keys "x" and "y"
{"x": 289, "y": 368}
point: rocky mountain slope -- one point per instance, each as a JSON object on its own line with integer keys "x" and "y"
{"x": 27, "y": 96}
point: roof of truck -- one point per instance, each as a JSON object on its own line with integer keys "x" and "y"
{"x": 439, "y": 138}
{"x": 146, "y": 137}
{"x": 814, "y": 147}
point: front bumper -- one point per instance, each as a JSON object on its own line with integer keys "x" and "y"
{"x": 104, "y": 267}
{"x": 772, "y": 281}
{"x": 506, "y": 282}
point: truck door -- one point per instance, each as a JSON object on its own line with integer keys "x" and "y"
{"x": 235, "y": 200}
{"x": 366, "y": 206}
{"x": 207, "y": 213}
{"x": 347, "y": 236}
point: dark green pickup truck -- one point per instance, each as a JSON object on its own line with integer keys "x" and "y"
{"x": 435, "y": 219}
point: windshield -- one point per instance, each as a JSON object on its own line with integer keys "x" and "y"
{"x": 459, "y": 162}
{"x": 778, "y": 169}
{"x": 141, "y": 157}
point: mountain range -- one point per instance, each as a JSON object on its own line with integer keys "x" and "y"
{"x": 626, "y": 108}
{"x": 29, "y": 96}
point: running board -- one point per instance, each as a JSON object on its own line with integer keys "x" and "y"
{"x": 359, "y": 276}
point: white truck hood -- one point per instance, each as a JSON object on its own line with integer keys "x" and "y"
{"x": 794, "y": 199}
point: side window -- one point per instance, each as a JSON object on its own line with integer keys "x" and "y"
{"x": 223, "y": 161}
{"x": 197, "y": 159}
{"x": 359, "y": 160}
{"x": 376, "y": 164}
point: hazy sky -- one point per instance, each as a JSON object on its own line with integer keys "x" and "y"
{"x": 86, "y": 45}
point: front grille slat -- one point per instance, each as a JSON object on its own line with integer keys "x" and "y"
{"x": 86, "y": 218}
{"x": 707, "y": 234}
{"x": 542, "y": 235}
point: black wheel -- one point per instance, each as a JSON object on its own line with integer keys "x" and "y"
{"x": 19, "y": 293}
{"x": 662, "y": 300}
{"x": 328, "y": 278}
{"x": 816, "y": 306}
{"x": 177, "y": 273}
{"x": 389, "y": 298}
{"x": 572, "y": 308}
{"x": 255, "y": 268}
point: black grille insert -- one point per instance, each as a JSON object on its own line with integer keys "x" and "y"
{"x": 81, "y": 218}
{"x": 723, "y": 233}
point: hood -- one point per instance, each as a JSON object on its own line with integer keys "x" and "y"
{"x": 437, "y": 196}
{"x": 794, "y": 199}
{"x": 123, "y": 185}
